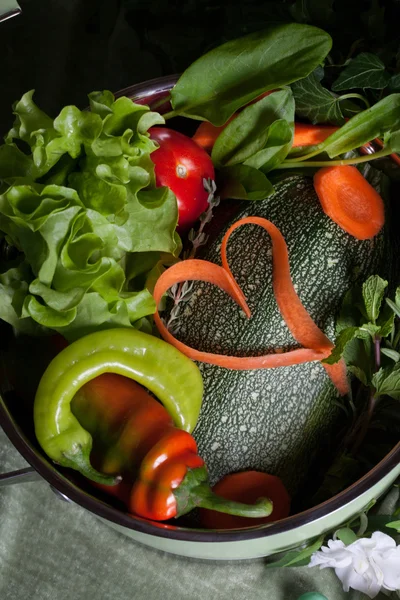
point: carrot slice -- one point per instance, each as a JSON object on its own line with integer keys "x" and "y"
{"x": 206, "y": 134}
{"x": 248, "y": 487}
{"x": 316, "y": 345}
{"x": 350, "y": 201}
{"x": 304, "y": 134}
{"x": 311, "y": 135}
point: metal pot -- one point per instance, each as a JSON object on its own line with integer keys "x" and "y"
{"x": 181, "y": 539}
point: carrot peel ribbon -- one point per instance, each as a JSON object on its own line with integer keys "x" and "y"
{"x": 316, "y": 346}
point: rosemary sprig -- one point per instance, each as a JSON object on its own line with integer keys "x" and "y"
{"x": 181, "y": 293}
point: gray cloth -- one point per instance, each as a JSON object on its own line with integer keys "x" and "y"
{"x": 51, "y": 550}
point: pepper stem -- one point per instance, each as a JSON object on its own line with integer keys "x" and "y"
{"x": 262, "y": 508}
{"x": 80, "y": 461}
{"x": 194, "y": 491}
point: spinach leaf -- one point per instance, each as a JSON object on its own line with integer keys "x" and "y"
{"x": 242, "y": 182}
{"x": 364, "y": 71}
{"x": 380, "y": 119}
{"x": 248, "y": 133}
{"x": 277, "y": 147}
{"x": 316, "y": 103}
{"x": 230, "y": 76}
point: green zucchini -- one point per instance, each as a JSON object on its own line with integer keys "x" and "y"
{"x": 273, "y": 420}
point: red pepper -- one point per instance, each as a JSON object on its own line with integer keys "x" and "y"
{"x": 162, "y": 474}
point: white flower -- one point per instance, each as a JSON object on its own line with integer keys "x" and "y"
{"x": 367, "y": 565}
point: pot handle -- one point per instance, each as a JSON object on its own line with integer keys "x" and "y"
{"x": 8, "y": 9}
{"x": 21, "y": 476}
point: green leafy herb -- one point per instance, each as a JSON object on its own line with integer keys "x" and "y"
{"x": 373, "y": 291}
{"x": 242, "y": 182}
{"x": 364, "y": 71}
{"x": 387, "y": 381}
{"x": 230, "y": 76}
{"x": 247, "y": 135}
{"x": 316, "y": 103}
{"x": 298, "y": 558}
{"x": 382, "y": 118}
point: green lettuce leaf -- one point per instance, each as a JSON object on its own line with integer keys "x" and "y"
{"x": 79, "y": 202}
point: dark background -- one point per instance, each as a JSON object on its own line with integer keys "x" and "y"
{"x": 67, "y": 48}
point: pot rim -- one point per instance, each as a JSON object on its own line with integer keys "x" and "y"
{"x": 64, "y": 485}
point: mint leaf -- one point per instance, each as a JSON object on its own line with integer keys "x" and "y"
{"x": 373, "y": 291}
{"x": 390, "y": 353}
{"x": 316, "y": 103}
{"x": 364, "y": 71}
{"x": 344, "y": 337}
{"x": 370, "y": 328}
{"x": 359, "y": 373}
{"x": 387, "y": 381}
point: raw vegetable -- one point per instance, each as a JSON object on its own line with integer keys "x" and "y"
{"x": 171, "y": 376}
{"x": 206, "y": 134}
{"x": 304, "y": 134}
{"x": 368, "y": 338}
{"x": 76, "y": 209}
{"x": 310, "y": 135}
{"x": 350, "y": 201}
{"x": 228, "y": 77}
{"x": 272, "y": 420}
{"x": 248, "y": 486}
{"x": 173, "y": 480}
{"x": 182, "y": 166}
{"x": 162, "y": 474}
{"x": 304, "y": 330}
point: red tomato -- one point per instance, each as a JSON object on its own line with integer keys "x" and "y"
{"x": 182, "y": 165}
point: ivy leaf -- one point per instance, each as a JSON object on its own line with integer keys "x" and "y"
{"x": 364, "y": 71}
{"x": 315, "y": 102}
{"x": 373, "y": 291}
{"x": 394, "y": 83}
{"x": 378, "y": 121}
{"x": 387, "y": 381}
{"x": 298, "y": 557}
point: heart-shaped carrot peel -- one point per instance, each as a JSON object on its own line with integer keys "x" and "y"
{"x": 316, "y": 346}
